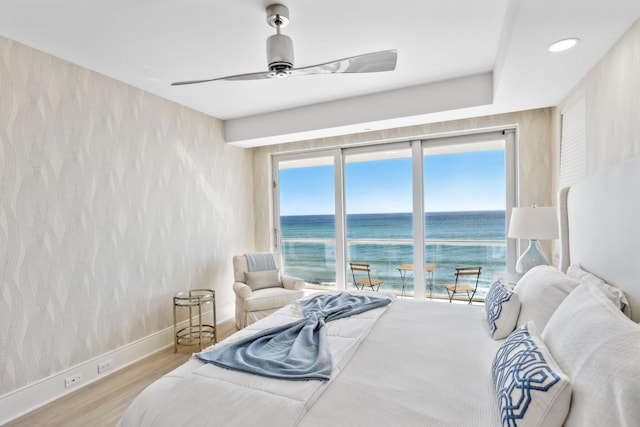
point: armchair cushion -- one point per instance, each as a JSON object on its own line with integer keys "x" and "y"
{"x": 263, "y": 279}
{"x": 270, "y": 298}
{"x": 293, "y": 283}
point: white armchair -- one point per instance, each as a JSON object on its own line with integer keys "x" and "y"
{"x": 260, "y": 293}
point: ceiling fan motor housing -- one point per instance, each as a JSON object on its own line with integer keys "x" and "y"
{"x": 279, "y": 53}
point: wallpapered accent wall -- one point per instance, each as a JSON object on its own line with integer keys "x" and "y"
{"x": 111, "y": 201}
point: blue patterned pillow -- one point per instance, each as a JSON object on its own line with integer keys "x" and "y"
{"x": 502, "y": 306}
{"x": 531, "y": 388}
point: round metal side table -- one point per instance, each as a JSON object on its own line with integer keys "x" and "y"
{"x": 197, "y": 332}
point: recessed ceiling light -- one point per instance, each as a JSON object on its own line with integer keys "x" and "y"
{"x": 562, "y": 45}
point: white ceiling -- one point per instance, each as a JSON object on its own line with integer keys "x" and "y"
{"x": 456, "y": 58}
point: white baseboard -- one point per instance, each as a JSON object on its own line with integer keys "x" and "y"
{"x": 30, "y": 397}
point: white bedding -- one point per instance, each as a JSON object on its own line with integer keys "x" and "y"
{"x": 423, "y": 363}
{"x": 219, "y": 396}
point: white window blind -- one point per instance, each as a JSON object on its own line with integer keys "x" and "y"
{"x": 573, "y": 143}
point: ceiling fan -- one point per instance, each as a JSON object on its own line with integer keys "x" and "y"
{"x": 280, "y": 57}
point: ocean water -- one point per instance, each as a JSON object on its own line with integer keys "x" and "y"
{"x": 315, "y": 261}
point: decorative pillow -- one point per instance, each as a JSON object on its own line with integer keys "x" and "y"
{"x": 599, "y": 348}
{"x": 531, "y": 388}
{"x": 541, "y": 290}
{"x": 614, "y": 294}
{"x": 262, "y": 279}
{"x": 502, "y": 306}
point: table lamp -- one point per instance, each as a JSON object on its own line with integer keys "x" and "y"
{"x": 534, "y": 223}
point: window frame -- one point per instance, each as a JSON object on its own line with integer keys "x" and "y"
{"x": 508, "y": 134}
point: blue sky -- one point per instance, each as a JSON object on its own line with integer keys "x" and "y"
{"x": 453, "y": 182}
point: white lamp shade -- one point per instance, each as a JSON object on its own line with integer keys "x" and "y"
{"x": 534, "y": 223}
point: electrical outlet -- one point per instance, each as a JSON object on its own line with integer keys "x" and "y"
{"x": 72, "y": 380}
{"x": 105, "y": 366}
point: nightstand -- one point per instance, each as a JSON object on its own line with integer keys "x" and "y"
{"x": 195, "y": 333}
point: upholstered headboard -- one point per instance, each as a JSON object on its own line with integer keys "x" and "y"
{"x": 600, "y": 228}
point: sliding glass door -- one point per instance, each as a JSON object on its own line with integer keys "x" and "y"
{"x": 378, "y": 195}
{"x": 465, "y": 207}
{"x": 412, "y": 211}
{"x": 306, "y": 226}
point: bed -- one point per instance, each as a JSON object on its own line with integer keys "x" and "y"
{"x": 563, "y": 348}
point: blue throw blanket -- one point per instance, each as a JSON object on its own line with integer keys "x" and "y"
{"x": 260, "y": 261}
{"x": 298, "y": 350}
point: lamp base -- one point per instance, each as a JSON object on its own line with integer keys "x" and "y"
{"x": 532, "y": 257}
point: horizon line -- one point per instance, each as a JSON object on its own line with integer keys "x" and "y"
{"x": 396, "y": 213}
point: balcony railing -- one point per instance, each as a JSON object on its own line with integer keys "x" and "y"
{"x": 314, "y": 261}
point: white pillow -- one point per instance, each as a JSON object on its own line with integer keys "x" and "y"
{"x": 531, "y": 388}
{"x": 614, "y": 294}
{"x": 599, "y": 348}
{"x": 502, "y": 306}
{"x": 541, "y": 290}
{"x": 262, "y": 279}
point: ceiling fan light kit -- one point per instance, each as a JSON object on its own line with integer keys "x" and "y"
{"x": 280, "y": 58}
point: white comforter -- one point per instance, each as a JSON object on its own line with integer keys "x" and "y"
{"x": 422, "y": 363}
{"x": 199, "y": 394}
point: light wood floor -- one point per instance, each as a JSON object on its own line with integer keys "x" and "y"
{"x": 102, "y": 403}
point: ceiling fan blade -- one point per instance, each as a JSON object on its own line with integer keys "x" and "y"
{"x": 368, "y": 63}
{"x": 249, "y": 76}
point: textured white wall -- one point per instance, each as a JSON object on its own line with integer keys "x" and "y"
{"x": 111, "y": 201}
{"x": 612, "y": 94}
